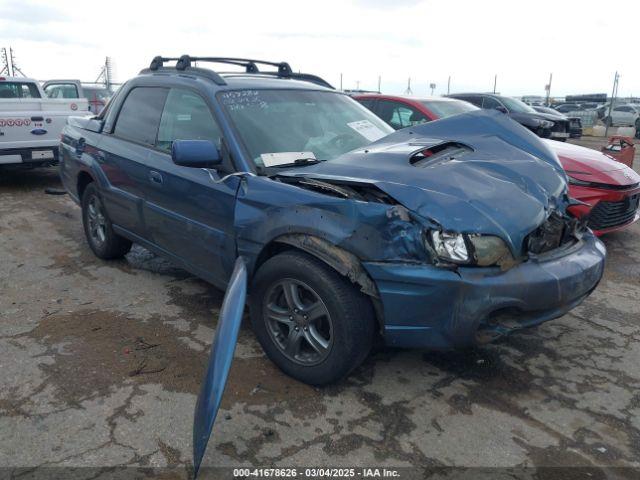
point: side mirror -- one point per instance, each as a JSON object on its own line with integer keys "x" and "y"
{"x": 195, "y": 153}
{"x": 500, "y": 108}
{"x": 95, "y": 125}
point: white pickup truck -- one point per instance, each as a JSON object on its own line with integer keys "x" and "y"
{"x": 31, "y": 123}
{"x": 97, "y": 95}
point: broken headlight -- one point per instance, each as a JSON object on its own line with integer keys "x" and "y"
{"x": 481, "y": 250}
{"x": 450, "y": 246}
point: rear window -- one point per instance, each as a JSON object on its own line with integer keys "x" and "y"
{"x": 140, "y": 114}
{"x": 18, "y": 90}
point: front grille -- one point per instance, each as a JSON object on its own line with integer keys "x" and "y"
{"x": 612, "y": 214}
{"x": 561, "y": 126}
{"x": 609, "y": 186}
{"x": 556, "y": 231}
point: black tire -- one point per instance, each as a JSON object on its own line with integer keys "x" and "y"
{"x": 108, "y": 245}
{"x": 349, "y": 312}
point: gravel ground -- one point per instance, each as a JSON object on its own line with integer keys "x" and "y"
{"x": 100, "y": 364}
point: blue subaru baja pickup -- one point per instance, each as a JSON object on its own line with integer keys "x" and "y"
{"x": 438, "y": 236}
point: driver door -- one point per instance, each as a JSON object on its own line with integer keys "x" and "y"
{"x": 187, "y": 211}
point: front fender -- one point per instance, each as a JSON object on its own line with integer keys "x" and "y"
{"x": 267, "y": 210}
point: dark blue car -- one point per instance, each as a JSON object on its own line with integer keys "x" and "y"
{"x": 441, "y": 235}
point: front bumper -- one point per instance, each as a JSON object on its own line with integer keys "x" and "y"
{"x": 429, "y": 307}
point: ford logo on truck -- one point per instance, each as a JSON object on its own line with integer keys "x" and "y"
{"x": 38, "y": 131}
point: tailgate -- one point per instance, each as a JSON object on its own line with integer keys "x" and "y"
{"x": 34, "y": 129}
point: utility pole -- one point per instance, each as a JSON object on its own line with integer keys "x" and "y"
{"x": 340, "y": 82}
{"x": 449, "y": 85}
{"x": 6, "y": 67}
{"x": 379, "y": 82}
{"x": 408, "y": 90}
{"x": 433, "y": 87}
{"x": 357, "y": 84}
{"x": 495, "y": 82}
{"x": 548, "y": 89}
{"x": 14, "y": 64}
{"x": 614, "y": 93}
{"x": 106, "y": 74}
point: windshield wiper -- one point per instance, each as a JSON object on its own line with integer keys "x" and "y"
{"x": 298, "y": 162}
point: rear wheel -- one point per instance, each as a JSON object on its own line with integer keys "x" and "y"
{"x": 312, "y": 322}
{"x": 104, "y": 242}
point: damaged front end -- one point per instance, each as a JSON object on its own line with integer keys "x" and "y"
{"x": 445, "y": 226}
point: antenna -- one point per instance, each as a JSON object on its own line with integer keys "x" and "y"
{"x": 14, "y": 64}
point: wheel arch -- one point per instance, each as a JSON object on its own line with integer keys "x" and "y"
{"x": 340, "y": 260}
{"x": 84, "y": 178}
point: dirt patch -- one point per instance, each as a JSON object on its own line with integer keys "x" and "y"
{"x": 102, "y": 349}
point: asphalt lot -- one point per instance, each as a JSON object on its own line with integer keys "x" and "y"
{"x": 100, "y": 364}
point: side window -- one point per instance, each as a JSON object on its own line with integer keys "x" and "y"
{"x": 367, "y": 103}
{"x": 186, "y": 116}
{"x": 490, "y": 102}
{"x": 474, "y": 99}
{"x": 139, "y": 116}
{"x": 18, "y": 90}
{"x": 61, "y": 90}
{"x": 399, "y": 115}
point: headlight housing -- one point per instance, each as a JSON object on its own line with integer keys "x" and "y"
{"x": 463, "y": 249}
{"x": 546, "y": 123}
{"x": 450, "y": 246}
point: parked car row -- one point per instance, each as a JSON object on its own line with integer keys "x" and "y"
{"x": 620, "y": 115}
{"x": 544, "y": 125}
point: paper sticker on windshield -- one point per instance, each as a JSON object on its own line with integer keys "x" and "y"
{"x": 367, "y": 129}
{"x": 285, "y": 158}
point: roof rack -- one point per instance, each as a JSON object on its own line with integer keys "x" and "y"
{"x": 184, "y": 64}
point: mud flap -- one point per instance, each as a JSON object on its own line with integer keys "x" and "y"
{"x": 224, "y": 344}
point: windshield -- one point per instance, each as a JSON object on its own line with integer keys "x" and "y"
{"x": 515, "y": 105}
{"x": 300, "y": 123}
{"x": 444, "y": 109}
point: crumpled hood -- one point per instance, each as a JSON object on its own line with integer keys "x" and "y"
{"x": 591, "y": 165}
{"x": 505, "y": 186}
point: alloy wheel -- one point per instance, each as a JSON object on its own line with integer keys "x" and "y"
{"x": 298, "y": 322}
{"x": 97, "y": 221}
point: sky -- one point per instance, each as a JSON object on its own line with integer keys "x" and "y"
{"x": 582, "y": 43}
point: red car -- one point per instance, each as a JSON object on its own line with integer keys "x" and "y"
{"x": 610, "y": 189}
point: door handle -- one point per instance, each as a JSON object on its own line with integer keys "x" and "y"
{"x": 155, "y": 177}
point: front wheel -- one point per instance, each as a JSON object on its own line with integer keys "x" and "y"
{"x": 104, "y": 242}
{"x": 313, "y": 323}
